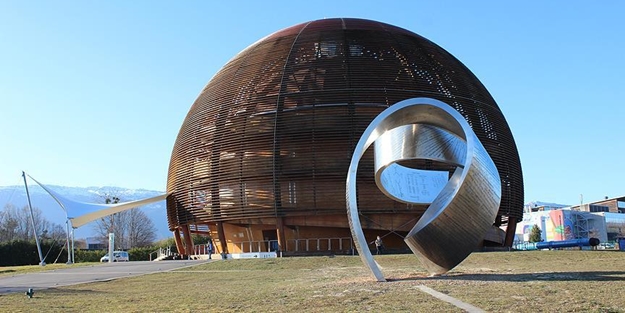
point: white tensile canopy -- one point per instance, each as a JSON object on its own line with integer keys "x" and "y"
{"x": 94, "y": 210}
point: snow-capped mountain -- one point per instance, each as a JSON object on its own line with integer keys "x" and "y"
{"x": 16, "y": 195}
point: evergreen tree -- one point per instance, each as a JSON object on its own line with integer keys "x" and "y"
{"x": 535, "y": 234}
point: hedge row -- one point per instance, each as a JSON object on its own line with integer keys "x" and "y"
{"x": 21, "y": 252}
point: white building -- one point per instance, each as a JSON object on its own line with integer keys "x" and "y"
{"x": 565, "y": 224}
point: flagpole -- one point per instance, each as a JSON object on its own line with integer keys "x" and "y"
{"x": 32, "y": 220}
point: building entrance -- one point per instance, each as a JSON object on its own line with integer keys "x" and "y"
{"x": 271, "y": 240}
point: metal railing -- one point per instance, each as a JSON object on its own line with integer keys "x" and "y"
{"x": 335, "y": 244}
{"x": 298, "y": 245}
{"x": 321, "y": 244}
{"x": 202, "y": 249}
{"x": 161, "y": 252}
{"x": 257, "y": 246}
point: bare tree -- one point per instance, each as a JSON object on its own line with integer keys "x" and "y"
{"x": 8, "y": 225}
{"x": 141, "y": 230}
{"x": 132, "y": 228}
{"x": 15, "y": 224}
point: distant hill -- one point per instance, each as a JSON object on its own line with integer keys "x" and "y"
{"x": 16, "y": 195}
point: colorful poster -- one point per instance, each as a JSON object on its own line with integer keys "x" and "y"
{"x": 561, "y": 226}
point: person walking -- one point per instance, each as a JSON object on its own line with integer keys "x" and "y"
{"x": 379, "y": 245}
{"x": 209, "y": 247}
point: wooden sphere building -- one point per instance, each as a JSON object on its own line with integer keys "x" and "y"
{"x": 261, "y": 158}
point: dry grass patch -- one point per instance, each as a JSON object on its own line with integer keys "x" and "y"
{"x": 534, "y": 281}
{"x": 539, "y": 281}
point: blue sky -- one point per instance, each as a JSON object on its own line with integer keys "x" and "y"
{"x": 93, "y": 93}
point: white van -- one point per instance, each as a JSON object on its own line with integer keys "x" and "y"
{"x": 118, "y": 256}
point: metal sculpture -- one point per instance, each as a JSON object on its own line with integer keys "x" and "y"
{"x": 461, "y": 213}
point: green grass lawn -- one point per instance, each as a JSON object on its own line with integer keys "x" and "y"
{"x": 15, "y": 270}
{"x": 531, "y": 281}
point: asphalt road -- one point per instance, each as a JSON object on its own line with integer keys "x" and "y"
{"x": 87, "y": 274}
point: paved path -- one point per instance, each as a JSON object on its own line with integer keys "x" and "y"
{"x": 87, "y": 274}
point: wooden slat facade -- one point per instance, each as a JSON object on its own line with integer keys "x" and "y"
{"x": 272, "y": 134}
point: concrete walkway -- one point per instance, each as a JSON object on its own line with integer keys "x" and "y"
{"x": 87, "y": 274}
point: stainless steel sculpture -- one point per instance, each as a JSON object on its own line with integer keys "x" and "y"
{"x": 461, "y": 208}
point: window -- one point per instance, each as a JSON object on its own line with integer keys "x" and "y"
{"x": 599, "y": 208}
{"x": 292, "y": 193}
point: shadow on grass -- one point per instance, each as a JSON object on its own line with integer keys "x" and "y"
{"x": 67, "y": 291}
{"x": 49, "y": 291}
{"x": 546, "y": 276}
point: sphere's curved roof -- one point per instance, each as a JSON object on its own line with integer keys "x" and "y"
{"x": 272, "y": 133}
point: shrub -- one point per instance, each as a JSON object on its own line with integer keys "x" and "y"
{"x": 88, "y": 255}
{"x": 142, "y": 253}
